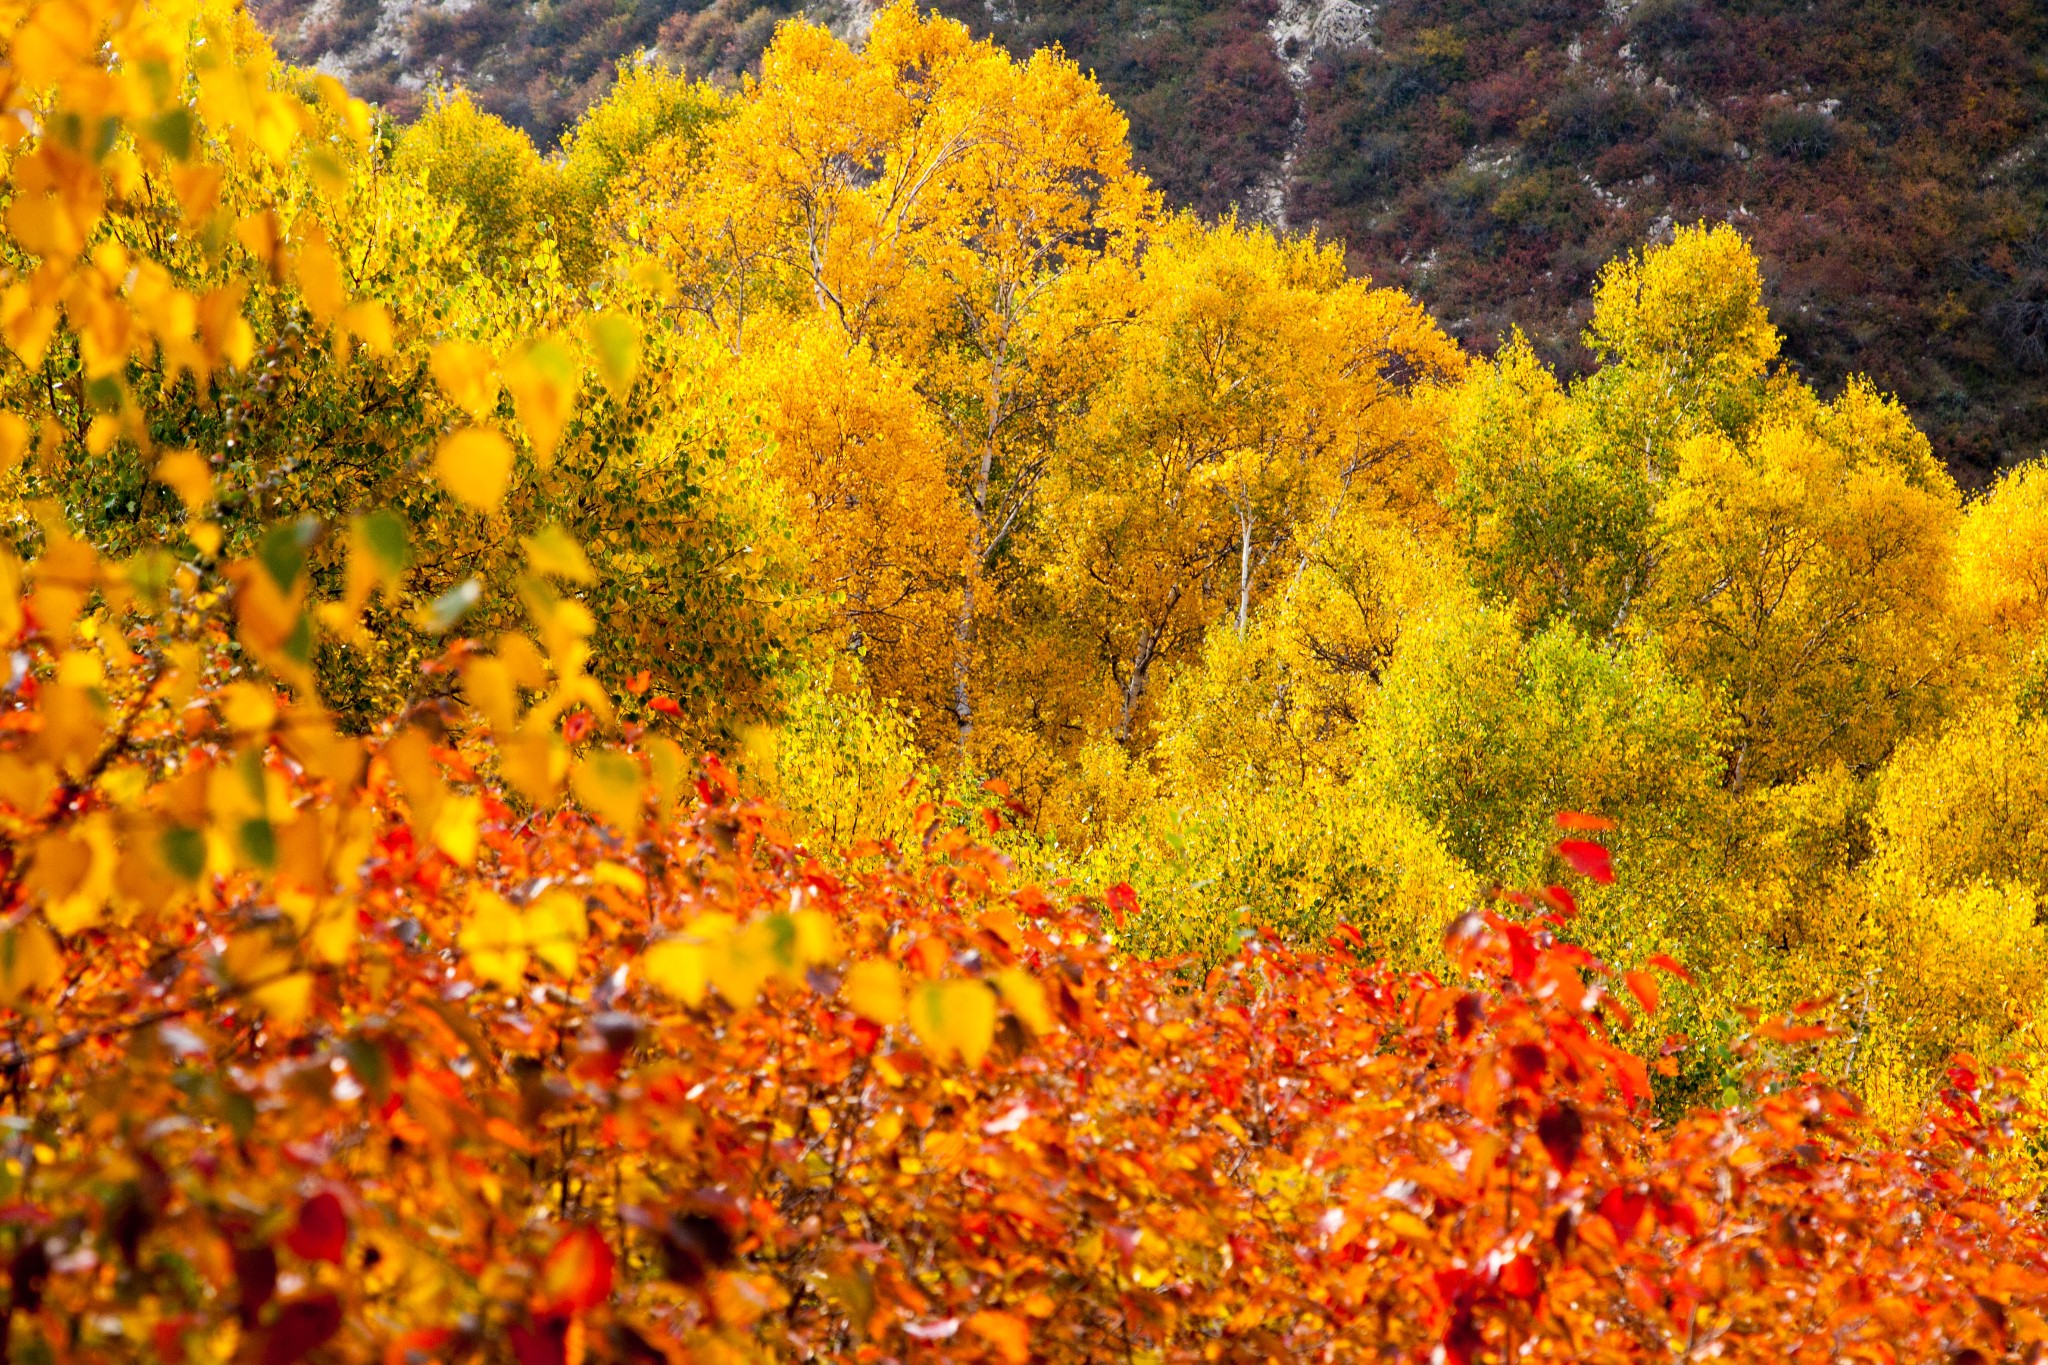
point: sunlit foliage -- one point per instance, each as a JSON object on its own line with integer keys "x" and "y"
{"x": 1187, "y": 779}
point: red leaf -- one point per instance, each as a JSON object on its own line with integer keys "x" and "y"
{"x": 1561, "y": 901}
{"x": 993, "y": 821}
{"x": 1528, "y": 1062}
{"x": 1624, "y": 1209}
{"x": 1521, "y": 954}
{"x": 1582, "y": 823}
{"x": 1588, "y": 859}
{"x": 1122, "y": 902}
{"x": 303, "y": 1326}
{"x": 1562, "y": 1133}
{"x": 665, "y": 705}
{"x": 577, "y": 1274}
{"x": 1518, "y": 1279}
{"x": 1781, "y": 1031}
{"x": 1644, "y": 987}
{"x": 321, "y": 1232}
{"x": 1664, "y": 962}
{"x": 255, "y": 1280}
{"x": 541, "y": 1343}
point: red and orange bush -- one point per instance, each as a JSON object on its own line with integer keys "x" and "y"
{"x": 692, "y": 1093}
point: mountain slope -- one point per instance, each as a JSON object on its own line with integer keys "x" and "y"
{"x": 1887, "y": 159}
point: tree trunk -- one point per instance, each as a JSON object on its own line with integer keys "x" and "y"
{"x": 963, "y": 649}
{"x": 1244, "y": 570}
{"x": 1141, "y": 667}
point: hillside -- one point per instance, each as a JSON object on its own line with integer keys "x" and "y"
{"x": 816, "y": 730}
{"x": 1885, "y": 158}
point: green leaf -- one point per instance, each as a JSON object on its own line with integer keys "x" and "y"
{"x": 383, "y": 533}
{"x": 184, "y": 851}
{"x": 451, "y": 606}
{"x": 259, "y": 843}
{"x": 282, "y": 551}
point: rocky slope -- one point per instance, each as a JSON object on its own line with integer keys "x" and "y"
{"x": 1890, "y": 160}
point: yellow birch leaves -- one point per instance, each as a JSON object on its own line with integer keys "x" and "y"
{"x": 467, "y": 375}
{"x": 544, "y": 378}
{"x": 954, "y": 1019}
{"x": 737, "y": 960}
{"x": 475, "y": 464}
{"x": 500, "y": 938}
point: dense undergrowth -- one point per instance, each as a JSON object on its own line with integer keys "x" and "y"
{"x": 1142, "y": 654}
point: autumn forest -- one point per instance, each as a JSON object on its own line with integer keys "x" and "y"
{"x": 826, "y": 722}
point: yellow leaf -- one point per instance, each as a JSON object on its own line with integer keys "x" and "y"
{"x": 259, "y": 964}
{"x": 555, "y": 929}
{"x": 466, "y": 373}
{"x": 609, "y": 873}
{"x": 370, "y": 323}
{"x": 750, "y": 957}
{"x": 615, "y": 341}
{"x": 1409, "y": 1226}
{"x": 681, "y": 969}
{"x": 411, "y": 756}
{"x": 494, "y": 940}
{"x": 287, "y": 1001}
{"x": 320, "y": 282}
{"x": 681, "y": 966}
{"x": 552, "y": 552}
{"x": 543, "y": 379}
{"x": 1026, "y": 998}
{"x": 11, "y": 618}
{"x": 954, "y": 1018}
{"x": 475, "y": 464}
{"x": 456, "y": 828}
{"x": 189, "y": 476}
{"x": 817, "y": 942}
{"x": 671, "y": 773}
{"x": 488, "y": 684}
{"x": 334, "y": 932}
{"x": 247, "y": 708}
{"x": 608, "y": 784}
{"x": 74, "y": 870}
{"x": 14, "y": 436}
{"x": 534, "y": 761}
{"x": 874, "y": 990}
{"x": 29, "y": 961}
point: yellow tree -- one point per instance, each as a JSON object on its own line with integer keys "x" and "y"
{"x": 1256, "y": 392}
{"x": 861, "y": 460}
{"x": 933, "y": 198}
{"x": 1555, "y": 490}
{"x": 1805, "y": 577}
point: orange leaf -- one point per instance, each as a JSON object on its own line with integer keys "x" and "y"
{"x": 1664, "y": 962}
{"x": 577, "y": 1275}
{"x": 1580, "y": 822}
{"x": 1643, "y": 986}
{"x": 1780, "y": 1031}
{"x": 1010, "y": 1335}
